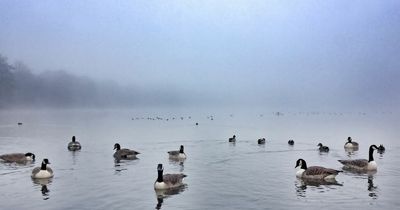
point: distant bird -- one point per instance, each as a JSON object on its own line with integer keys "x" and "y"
{"x": 381, "y": 149}
{"x": 74, "y": 145}
{"x": 42, "y": 172}
{"x": 233, "y": 139}
{"x": 177, "y": 154}
{"x": 314, "y": 172}
{"x": 362, "y": 164}
{"x": 20, "y": 158}
{"x": 20, "y": 123}
{"x": 291, "y": 142}
{"x": 261, "y": 141}
{"x": 167, "y": 181}
{"x": 323, "y": 148}
{"x": 197, "y": 123}
{"x": 350, "y": 143}
{"x": 124, "y": 153}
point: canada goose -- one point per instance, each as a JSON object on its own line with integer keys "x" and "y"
{"x": 42, "y": 172}
{"x": 167, "y": 181}
{"x": 177, "y": 154}
{"x": 18, "y": 157}
{"x": 124, "y": 153}
{"x": 261, "y": 141}
{"x": 291, "y": 142}
{"x": 233, "y": 139}
{"x": 350, "y": 143}
{"x": 314, "y": 172}
{"x": 74, "y": 145}
{"x": 323, "y": 148}
{"x": 362, "y": 164}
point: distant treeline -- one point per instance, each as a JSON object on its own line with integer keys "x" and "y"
{"x": 20, "y": 87}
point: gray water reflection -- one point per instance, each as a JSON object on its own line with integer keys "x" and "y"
{"x": 43, "y": 184}
{"x": 178, "y": 163}
{"x": 121, "y": 165}
{"x": 164, "y": 194}
{"x": 351, "y": 151}
{"x": 302, "y": 185}
{"x": 373, "y": 190}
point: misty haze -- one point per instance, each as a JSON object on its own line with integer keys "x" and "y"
{"x": 217, "y": 77}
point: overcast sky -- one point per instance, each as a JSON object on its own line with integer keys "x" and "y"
{"x": 313, "y": 53}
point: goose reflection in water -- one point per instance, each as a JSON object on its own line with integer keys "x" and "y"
{"x": 121, "y": 160}
{"x": 121, "y": 164}
{"x": 351, "y": 151}
{"x": 302, "y": 185}
{"x": 371, "y": 188}
{"x": 178, "y": 163}
{"x": 43, "y": 183}
{"x": 163, "y": 194}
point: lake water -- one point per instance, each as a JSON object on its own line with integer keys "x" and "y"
{"x": 221, "y": 175}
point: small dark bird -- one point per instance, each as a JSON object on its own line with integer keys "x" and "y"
{"x": 323, "y": 148}
{"x": 291, "y": 142}
{"x": 261, "y": 141}
{"x": 233, "y": 139}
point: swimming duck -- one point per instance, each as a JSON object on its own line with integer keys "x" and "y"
{"x": 42, "y": 172}
{"x": 323, "y": 148}
{"x": 261, "y": 141}
{"x": 124, "y": 153}
{"x": 18, "y": 157}
{"x": 350, "y": 143}
{"x": 362, "y": 164}
{"x": 74, "y": 145}
{"x": 177, "y": 154}
{"x": 314, "y": 172}
{"x": 233, "y": 139}
{"x": 291, "y": 142}
{"x": 167, "y": 181}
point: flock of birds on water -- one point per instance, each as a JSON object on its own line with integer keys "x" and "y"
{"x": 174, "y": 181}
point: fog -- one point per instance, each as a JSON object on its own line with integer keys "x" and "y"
{"x": 280, "y": 55}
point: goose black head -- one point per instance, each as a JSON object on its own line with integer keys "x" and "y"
{"x": 302, "y": 163}
{"x": 31, "y": 155}
{"x": 319, "y": 144}
{"x": 45, "y": 161}
{"x": 381, "y": 147}
{"x": 117, "y": 146}
{"x": 160, "y": 167}
{"x": 181, "y": 149}
{"x": 73, "y": 138}
{"x": 349, "y": 139}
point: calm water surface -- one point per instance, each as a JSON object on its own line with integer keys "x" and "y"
{"x": 221, "y": 175}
